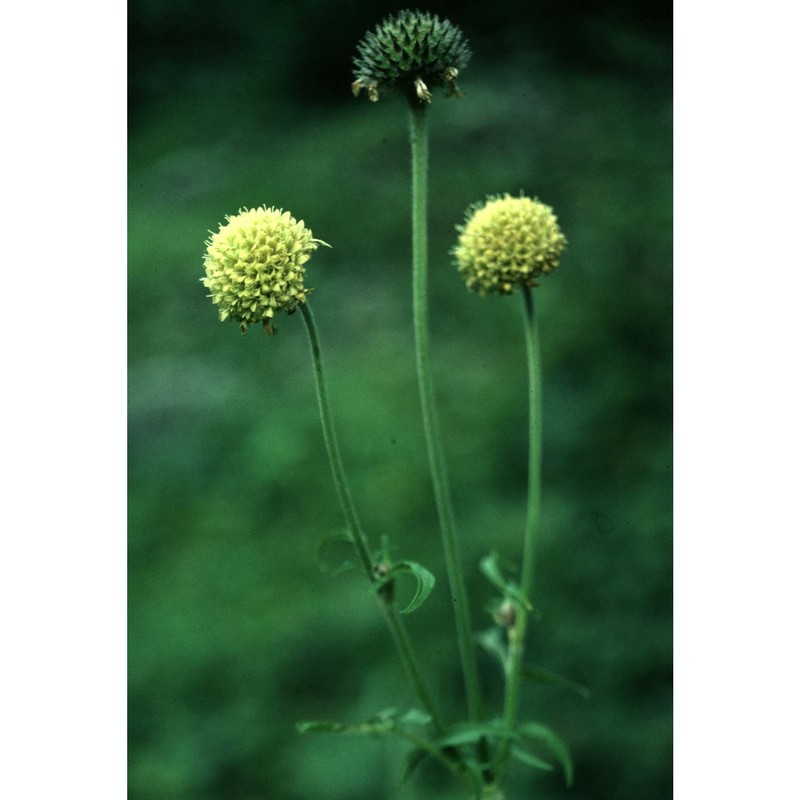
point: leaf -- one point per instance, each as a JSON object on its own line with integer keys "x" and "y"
{"x": 385, "y": 723}
{"x": 415, "y": 717}
{"x": 381, "y": 724}
{"x": 491, "y": 640}
{"x": 425, "y": 582}
{"x": 372, "y": 728}
{"x": 414, "y": 758}
{"x": 318, "y": 726}
{"x": 491, "y": 569}
{"x": 471, "y": 732}
{"x": 530, "y": 760}
{"x": 557, "y": 746}
{"x": 535, "y": 674}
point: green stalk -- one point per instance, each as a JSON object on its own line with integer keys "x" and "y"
{"x": 441, "y": 489}
{"x": 360, "y": 542}
{"x": 404, "y": 647}
{"x": 334, "y": 456}
{"x": 516, "y": 644}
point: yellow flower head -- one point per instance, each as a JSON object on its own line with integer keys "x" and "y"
{"x": 255, "y": 265}
{"x": 506, "y": 242}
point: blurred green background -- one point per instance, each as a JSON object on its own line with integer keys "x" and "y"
{"x": 235, "y": 633}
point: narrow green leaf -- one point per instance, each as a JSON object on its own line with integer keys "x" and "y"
{"x": 319, "y": 726}
{"x": 491, "y": 640}
{"x": 491, "y": 569}
{"x": 531, "y": 672}
{"x": 373, "y": 728}
{"x": 414, "y": 758}
{"x": 425, "y": 582}
{"x": 530, "y": 760}
{"x": 415, "y": 717}
{"x": 382, "y": 723}
{"x": 470, "y": 732}
{"x": 557, "y": 746}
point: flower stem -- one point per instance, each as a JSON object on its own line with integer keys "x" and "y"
{"x": 359, "y": 538}
{"x": 419, "y": 185}
{"x": 517, "y": 633}
{"x": 334, "y": 456}
{"x": 406, "y": 650}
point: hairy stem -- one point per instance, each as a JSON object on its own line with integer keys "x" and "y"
{"x": 441, "y": 488}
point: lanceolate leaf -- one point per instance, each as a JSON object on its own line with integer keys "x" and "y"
{"x": 374, "y": 728}
{"x": 415, "y": 717}
{"x": 470, "y": 732}
{"x": 425, "y": 582}
{"x": 383, "y": 723}
{"x": 536, "y": 674}
{"x": 491, "y": 569}
{"x": 491, "y": 640}
{"x": 530, "y": 760}
{"x": 556, "y": 745}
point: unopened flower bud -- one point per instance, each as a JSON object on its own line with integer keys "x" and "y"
{"x": 505, "y": 614}
{"x": 381, "y": 572}
{"x": 412, "y": 52}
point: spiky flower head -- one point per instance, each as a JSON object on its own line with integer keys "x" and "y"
{"x": 412, "y": 52}
{"x": 506, "y": 242}
{"x": 255, "y": 265}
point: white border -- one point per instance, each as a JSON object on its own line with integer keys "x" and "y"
{"x": 62, "y": 570}
{"x": 736, "y": 400}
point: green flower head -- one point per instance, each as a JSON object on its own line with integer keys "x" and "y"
{"x": 411, "y": 52}
{"x": 255, "y": 265}
{"x": 506, "y": 242}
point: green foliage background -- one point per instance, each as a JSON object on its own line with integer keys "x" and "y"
{"x": 235, "y": 633}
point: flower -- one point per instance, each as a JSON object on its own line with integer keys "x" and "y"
{"x": 255, "y": 265}
{"x": 413, "y": 51}
{"x": 506, "y": 242}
